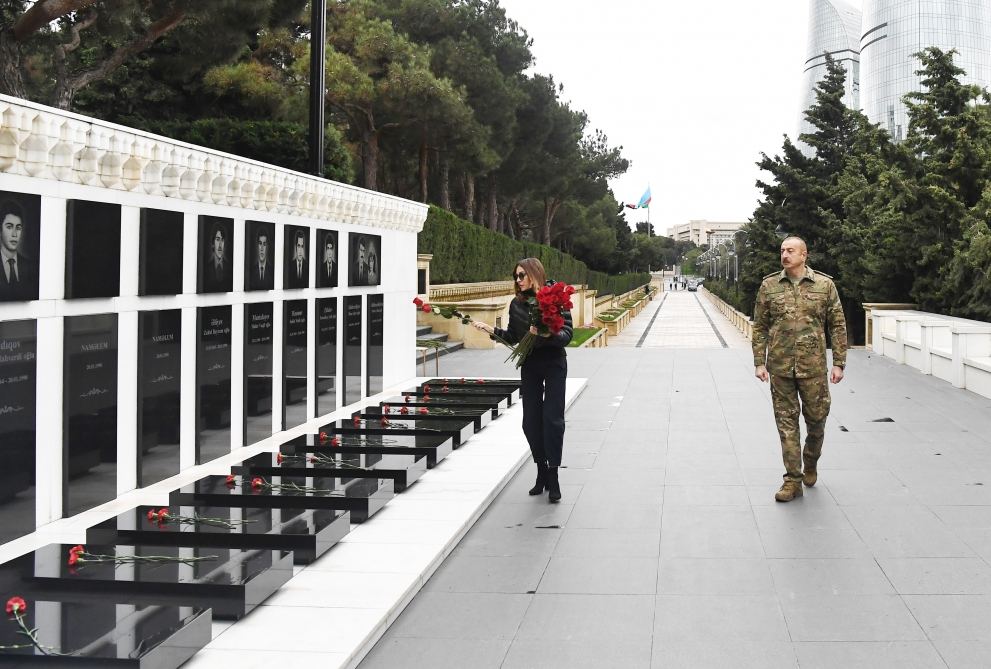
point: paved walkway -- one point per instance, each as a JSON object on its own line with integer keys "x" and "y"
{"x": 669, "y": 551}
{"x": 680, "y": 319}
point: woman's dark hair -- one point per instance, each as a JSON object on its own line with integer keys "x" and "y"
{"x": 534, "y": 269}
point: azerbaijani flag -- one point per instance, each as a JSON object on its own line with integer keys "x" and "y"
{"x": 644, "y": 202}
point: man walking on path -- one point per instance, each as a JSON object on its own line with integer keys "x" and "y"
{"x": 794, "y": 309}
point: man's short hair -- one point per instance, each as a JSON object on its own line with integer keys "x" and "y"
{"x": 300, "y": 235}
{"x": 262, "y": 232}
{"x": 11, "y": 207}
{"x": 217, "y": 227}
{"x": 804, "y": 243}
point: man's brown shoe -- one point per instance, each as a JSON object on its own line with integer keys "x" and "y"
{"x": 809, "y": 478}
{"x": 789, "y": 491}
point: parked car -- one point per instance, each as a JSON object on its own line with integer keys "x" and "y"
{"x": 693, "y": 284}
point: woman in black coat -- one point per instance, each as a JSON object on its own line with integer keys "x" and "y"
{"x": 542, "y": 377}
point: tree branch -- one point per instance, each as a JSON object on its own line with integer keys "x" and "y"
{"x": 44, "y": 12}
{"x": 65, "y": 49}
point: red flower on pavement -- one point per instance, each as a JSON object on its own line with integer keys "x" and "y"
{"x": 16, "y": 605}
{"x": 417, "y": 301}
{"x": 230, "y": 480}
{"x": 424, "y": 411}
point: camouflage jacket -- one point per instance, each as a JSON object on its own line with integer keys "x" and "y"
{"x": 790, "y": 322}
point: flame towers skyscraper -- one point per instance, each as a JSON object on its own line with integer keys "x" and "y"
{"x": 834, "y": 29}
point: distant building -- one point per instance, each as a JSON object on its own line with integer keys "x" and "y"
{"x": 834, "y": 28}
{"x": 895, "y": 29}
{"x": 701, "y": 232}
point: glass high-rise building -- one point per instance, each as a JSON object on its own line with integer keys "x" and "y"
{"x": 895, "y": 29}
{"x": 834, "y": 28}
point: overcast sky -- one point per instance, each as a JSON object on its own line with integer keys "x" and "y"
{"x": 693, "y": 90}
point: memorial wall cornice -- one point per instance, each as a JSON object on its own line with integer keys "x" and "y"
{"x": 48, "y": 143}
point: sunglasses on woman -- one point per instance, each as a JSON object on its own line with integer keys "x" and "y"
{"x": 519, "y": 276}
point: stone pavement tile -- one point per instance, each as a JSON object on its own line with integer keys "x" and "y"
{"x": 809, "y": 513}
{"x": 874, "y": 488}
{"x": 819, "y": 576}
{"x": 705, "y": 495}
{"x": 577, "y": 459}
{"x": 705, "y": 542}
{"x": 725, "y": 472}
{"x": 938, "y": 576}
{"x": 536, "y": 513}
{"x": 710, "y": 517}
{"x": 588, "y": 617}
{"x": 603, "y": 543}
{"x": 631, "y": 653}
{"x": 632, "y": 478}
{"x": 869, "y": 655}
{"x": 905, "y": 531}
{"x": 952, "y": 617}
{"x": 972, "y": 492}
{"x": 605, "y": 491}
{"x": 812, "y": 543}
{"x": 708, "y": 576}
{"x": 623, "y": 461}
{"x": 455, "y": 615}
{"x": 850, "y": 618}
{"x": 428, "y": 653}
{"x": 618, "y": 517}
{"x": 746, "y": 618}
{"x": 718, "y": 653}
{"x": 516, "y": 574}
{"x": 965, "y": 654}
{"x": 600, "y": 576}
{"x": 508, "y": 542}
{"x": 964, "y": 517}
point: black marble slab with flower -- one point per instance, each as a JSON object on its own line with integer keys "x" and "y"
{"x": 458, "y": 431}
{"x": 479, "y": 418}
{"x": 505, "y": 400}
{"x": 308, "y": 533}
{"x": 496, "y": 405}
{"x": 232, "y": 582}
{"x": 404, "y": 470}
{"x": 345, "y": 438}
{"x": 437, "y": 388}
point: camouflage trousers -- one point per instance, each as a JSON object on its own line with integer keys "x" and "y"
{"x": 814, "y": 394}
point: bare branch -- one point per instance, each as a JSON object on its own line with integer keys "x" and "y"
{"x": 44, "y": 12}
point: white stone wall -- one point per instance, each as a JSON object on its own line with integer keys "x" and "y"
{"x": 62, "y": 156}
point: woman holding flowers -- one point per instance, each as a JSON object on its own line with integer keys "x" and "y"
{"x": 540, "y": 327}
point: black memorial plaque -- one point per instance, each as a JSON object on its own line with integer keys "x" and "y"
{"x": 376, "y": 343}
{"x": 105, "y": 634}
{"x": 352, "y": 349}
{"x": 297, "y": 257}
{"x": 18, "y": 413}
{"x": 326, "y": 358}
{"x": 496, "y": 404}
{"x": 213, "y": 383}
{"x": 259, "y": 261}
{"x": 450, "y": 414}
{"x": 89, "y": 456}
{"x": 257, "y": 372}
{"x": 403, "y": 469}
{"x": 347, "y": 437}
{"x": 159, "y": 372}
{"x": 294, "y": 389}
{"x": 20, "y": 234}
{"x": 364, "y": 260}
{"x": 160, "y": 261}
{"x": 92, "y": 249}
{"x": 327, "y": 258}
{"x": 214, "y": 269}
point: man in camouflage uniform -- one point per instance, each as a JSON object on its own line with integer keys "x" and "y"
{"x": 794, "y": 308}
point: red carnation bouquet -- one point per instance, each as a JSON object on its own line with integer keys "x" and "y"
{"x": 547, "y": 309}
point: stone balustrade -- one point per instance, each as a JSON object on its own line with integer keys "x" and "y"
{"x": 955, "y": 350}
{"x": 453, "y": 292}
{"x": 740, "y": 320}
{"x": 39, "y": 141}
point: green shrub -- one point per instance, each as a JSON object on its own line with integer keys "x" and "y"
{"x": 467, "y": 253}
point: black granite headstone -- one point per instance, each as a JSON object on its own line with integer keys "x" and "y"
{"x": 326, "y": 358}
{"x": 376, "y": 342}
{"x": 20, "y": 236}
{"x": 214, "y": 265}
{"x": 297, "y": 257}
{"x": 18, "y": 412}
{"x": 326, "y": 256}
{"x": 159, "y": 372}
{"x": 352, "y": 349}
{"x": 92, "y": 249}
{"x": 257, "y": 372}
{"x": 89, "y": 452}
{"x": 213, "y": 383}
{"x": 294, "y": 368}
{"x": 259, "y": 258}
{"x": 160, "y": 261}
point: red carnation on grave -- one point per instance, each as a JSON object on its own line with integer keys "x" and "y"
{"x": 323, "y": 437}
{"x": 384, "y": 421}
{"x": 151, "y": 515}
{"x": 356, "y": 421}
{"x": 16, "y": 605}
{"x": 404, "y": 411}
{"x": 386, "y": 408}
{"x": 278, "y": 458}
{"x": 426, "y": 388}
{"x": 257, "y": 482}
{"x": 424, "y": 411}
{"x": 335, "y": 442}
{"x": 408, "y": 399}
{"x": 230, "y": 480}
{"x": 445, "y": 389}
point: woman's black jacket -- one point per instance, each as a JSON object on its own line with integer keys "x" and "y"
{"x": 519, "y": 324}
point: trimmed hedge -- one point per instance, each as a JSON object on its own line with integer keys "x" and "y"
{"x": 467, "y": 253}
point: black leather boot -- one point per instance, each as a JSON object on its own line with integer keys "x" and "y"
{"x": 538, "y": 487}
{"x": 553, "y": 487}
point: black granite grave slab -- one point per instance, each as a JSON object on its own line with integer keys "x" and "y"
{"x": 494, "y": 404}
{"x": 510, "y": 389}
{"x": 504, "y": 399}
{"x": 18, "y": 417}
{"x": 464, "y": 382}
{"x": 232, "y": 582}
{"x": 362, "y": 497}
{"x": 434, "y": 447}
{"x": 308, "y": 533}
{"x": 103, "y": 634}
{"x": 459, "y": 431}
{"x": 404, "y": 470}
{"x": 451, "y": 414}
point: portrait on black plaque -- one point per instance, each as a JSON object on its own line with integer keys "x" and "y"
{"x": 20, "y": 224}
{"x": 297, "y": 253}
{"x": 259, "y": 262}
{"x": 327, "y": 255}
{"x": 216, "y": 247}
{"x": 365, "y": 260}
